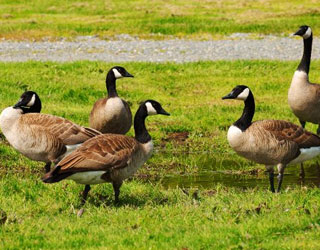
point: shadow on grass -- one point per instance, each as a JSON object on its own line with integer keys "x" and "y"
{"x": 100, "y": 200}
{"x": 135, "y": 195}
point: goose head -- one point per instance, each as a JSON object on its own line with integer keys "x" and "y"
{"x": 153, "y": 107}
{"x": 240, "y": 92}
{"x": 29, "y": 102}
{"x": 119, "y": 72}
{"x": 304, "y": 31}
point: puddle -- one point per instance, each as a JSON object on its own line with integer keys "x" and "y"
{"x": 209, "y": 179}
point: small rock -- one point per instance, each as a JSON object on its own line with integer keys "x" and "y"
{"x": 80, "y": 212}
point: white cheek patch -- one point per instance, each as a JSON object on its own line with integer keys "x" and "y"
{"x": 31, "y": 102}
{"x": 243, "y": 95}
{"x": 150, "y": 109}
{"x": 307, "y": 34}
{"x": 117, "y": 74}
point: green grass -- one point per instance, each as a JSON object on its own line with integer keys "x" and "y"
{"x": 44, "y": 217}
{"x": 150, "y": 215}
{"x": 154, "y": 19}
{"x": 191, "y": 92}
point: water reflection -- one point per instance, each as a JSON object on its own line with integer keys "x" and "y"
{"x": 207, "y": 175}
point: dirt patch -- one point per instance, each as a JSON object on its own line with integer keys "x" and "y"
{"x": 176, "y": 137}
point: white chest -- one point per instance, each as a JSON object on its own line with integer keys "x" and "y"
{"x": 300, "y": 77}
{"x": 8, "y": 121}
{"x": 299, "y": 87}
{"x": 148, "y": 148}
{"x": 114, "y": 106}
{"x": 9, "y": 116}
{"x": 234, "y": 135}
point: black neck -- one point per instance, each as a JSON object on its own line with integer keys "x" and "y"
{"x": 305, "y": 60}
{"x": 141, "y": 133}
{"x": 111, "y": 84}
{"x": 248, "y": 112}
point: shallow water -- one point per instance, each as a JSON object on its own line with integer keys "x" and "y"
{"x": 209, "y": 179}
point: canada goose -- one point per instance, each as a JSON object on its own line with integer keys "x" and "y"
{"x": 112, "y": 114}
{"x": 303, "y": 96}
{"x": 269, "y": 142}
{"x": 41, "y": 137}
{"x": 109, "y": 157}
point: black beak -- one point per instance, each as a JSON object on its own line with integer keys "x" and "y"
{"x": 127, "y": 74}
{"x": 228, "y": 96}
{"x": 20, "y": 103}
{"x": 300, "y": 32}
{"x": 163, "y": 112}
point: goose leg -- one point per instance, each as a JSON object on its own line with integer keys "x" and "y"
{"x": 302, "y": 174}
{"x": 85, "y": 194}
{"x": 271, "y": 177}
{"x": 281, "y": 168}
{"x": 47, "y": 167}
{"x": 84, "y": 199}
{"x": 116, "y": 188}
{"x": 303, "y": 123}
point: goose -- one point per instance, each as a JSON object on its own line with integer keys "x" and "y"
{"x": 41, "y": 137}
{"x": 109, "y": 157}
{"x": 269, "y": 142}
{"x": 303, "y": 96}
{"x": 112, "y": 114}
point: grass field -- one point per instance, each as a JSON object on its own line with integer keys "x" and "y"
{"x": 154, "y": 19}
{"x": 150, "y": 215}
{"x": 190, "y": 92}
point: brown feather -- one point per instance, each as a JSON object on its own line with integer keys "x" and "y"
{"x": 104, "y": 152}
{"x": 69, "y": 133}
{"x": 283, "y": 130}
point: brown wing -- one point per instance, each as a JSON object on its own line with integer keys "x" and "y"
{"x": 283, "y": 130}
{"x": 69, "y": 133}
{"x": 97, "y": 112}
{"x": 103, "y": 152}
{"x": 127, "y": 107}
{"x": 315, "y": 89}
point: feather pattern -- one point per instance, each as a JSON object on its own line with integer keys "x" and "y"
{"x": 114, "y": 157}
{"x": 104, "y": 152}
{"x": 68, "y": 132}
{"x": 271, "y": 142}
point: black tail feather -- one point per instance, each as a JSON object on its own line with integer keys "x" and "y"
{"x": 54, "y": 176}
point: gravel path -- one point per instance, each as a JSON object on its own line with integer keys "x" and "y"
{"x": 127, "y": 49}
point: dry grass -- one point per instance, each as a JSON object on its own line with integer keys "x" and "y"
{"x": 153, "y": 19}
